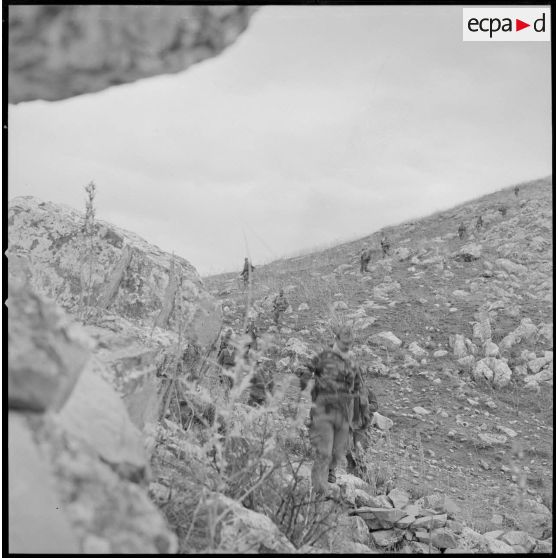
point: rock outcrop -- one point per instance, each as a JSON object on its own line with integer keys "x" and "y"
{"x": 115, "y": 270}
{"x": 58, "y": 52}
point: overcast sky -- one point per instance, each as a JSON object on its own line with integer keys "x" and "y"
{"x": 321, "y": 123}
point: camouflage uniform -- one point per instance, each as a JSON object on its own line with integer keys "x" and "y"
{"x": 227, "y": 360}
{"x": 336, "y": 383}
{"x": 365, "y": 257}
{"x": 462, "y": 230}
{"x": 280, "y": 304}
{"x": 261, "y": 384}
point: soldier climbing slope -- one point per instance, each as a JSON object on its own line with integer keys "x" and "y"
{"x": 336, "y": 384}
{"x": 462, "y": 230}
{"x": 246, "y": 272}
{"x": 365, "y": 257}
{"x": 479, "y": 223}
{"x": 226, "y": 359}
{"x": 503, "y": 210}
{"x": 516, "y": 191}
{"x": 384, "y": 243}
{"x": 252, "y": 331}
{"x": 280, "y": 304}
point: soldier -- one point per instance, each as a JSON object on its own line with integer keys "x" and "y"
{"x": 479, "y": 223}
{"x": 227, "y": 360}
{"x": 462, "y": 230}
{"x": 280, "y": 304}
{"x": 261, "y": 384}
{"x": 516, "y": 191}
{"x": 246, "y": 272}
{"x": 252, "y": 331}
{"x": 365, "y": 257}
{"x": 384, "y": 243}
{"x": 364, "y": 408}
{"x": 503, "y": 210}
{"x": 337, "y": 382}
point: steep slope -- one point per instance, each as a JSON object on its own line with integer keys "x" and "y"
{"x": 458, "y": 307}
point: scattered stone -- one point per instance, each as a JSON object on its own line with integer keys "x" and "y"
{"x": 519, "y": 538}
{"x": 443, "y": 538}
{"x": 385, "y": 339}
{"x": 399, "y": 498}
{"x": 417, "y": 351}
{"x": 388, "y": 537}
{"x": 440, "y": 353}
{"x": 420, "y": 411}
{"x": 496, "y": 546}
{"x": 508, "y": 431}
{"x": 429, "y": 522}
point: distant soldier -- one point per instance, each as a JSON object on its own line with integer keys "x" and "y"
{"x": 252, "y": 331}
{"x": 503, "y": 210}
{"x": 384, "y": 243}
{"x": 246, "y": 272}
{"x": 479, "y": 223}
{"x": 336, "y": 385}
{"x": 462, "y": 230}
{"x": 226, "y": 359}
{"x": 280, "y": 304}
{"x": 365, "y": 257}
{"x": 516, "y": 191}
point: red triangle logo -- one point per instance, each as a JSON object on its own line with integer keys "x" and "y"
{"x": 519, "y": 25}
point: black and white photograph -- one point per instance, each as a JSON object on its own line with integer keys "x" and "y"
{"x": 279, "y": 279}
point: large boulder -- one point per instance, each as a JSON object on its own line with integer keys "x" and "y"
{"x": 57, "y": 52}
{"x": 96, "y": 415}
{"x": 46, "y": 351}
{"x": 114, "y": 270}
{"x": 34, "y": 526}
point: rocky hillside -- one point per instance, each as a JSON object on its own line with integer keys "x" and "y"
{"x": 120, "y": 418}
{"x": 457, "y": 337}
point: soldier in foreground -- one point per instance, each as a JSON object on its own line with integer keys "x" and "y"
{"x": 365, "y": 257}
{"x": 384, "y": 243}
{"x": 280, "y": 304}
{"x": 246, "y": 272}
{"x": 337, "y": 383}
{"x": 461, "y": 230}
